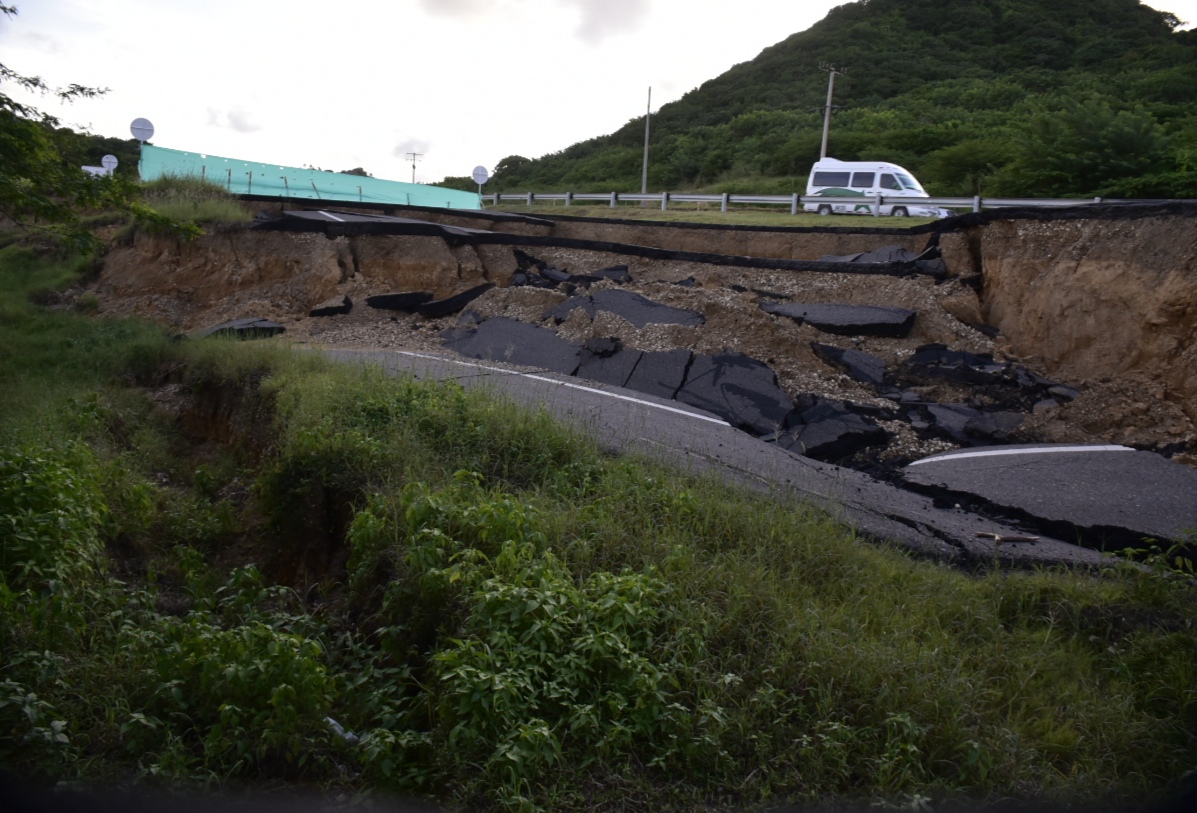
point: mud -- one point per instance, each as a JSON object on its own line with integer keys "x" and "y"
{"x": 1106, "y": 304}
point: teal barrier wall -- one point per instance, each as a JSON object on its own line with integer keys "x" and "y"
{"x": 251, "y": 178}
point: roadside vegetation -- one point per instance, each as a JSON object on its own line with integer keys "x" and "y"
{"x": 193, "y": 200}
{"x": 208, "y": 548}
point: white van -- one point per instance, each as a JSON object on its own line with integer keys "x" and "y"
{"x": 866, "y": 179}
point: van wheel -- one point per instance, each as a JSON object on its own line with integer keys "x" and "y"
{"x": 824, "y": 210}
{"x": 900, "y": 211}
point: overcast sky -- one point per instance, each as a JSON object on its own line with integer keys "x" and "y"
{"x": 363, "y": 82}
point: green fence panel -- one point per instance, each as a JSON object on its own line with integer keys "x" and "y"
{"x": 253, "y": 178}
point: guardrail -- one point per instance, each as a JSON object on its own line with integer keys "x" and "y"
{"x": 795, "y": 202}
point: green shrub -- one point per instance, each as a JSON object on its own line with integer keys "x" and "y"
{"x": 52, "y": 516}
{"x": 231, "y": 690}
{"x": 530, "y": 661}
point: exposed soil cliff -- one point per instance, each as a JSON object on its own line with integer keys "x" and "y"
{"x": 1106, "y": 303}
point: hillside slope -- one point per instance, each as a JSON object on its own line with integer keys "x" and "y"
{"x": 994, "y": 96}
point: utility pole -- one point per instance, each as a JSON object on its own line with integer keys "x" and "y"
{"x": 412, "y": 156}
{"x": 647, "y": 117}
{"x": 832, "y": 72}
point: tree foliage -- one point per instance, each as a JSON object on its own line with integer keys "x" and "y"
{"x": 42, "y": 187}
{"x": 1075, "y": 97}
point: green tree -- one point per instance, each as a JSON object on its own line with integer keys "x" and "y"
{"x": 511, "y": 166}
{"x": 40, "y": 189}
{"x": 1083, "y": 149}
{"x": 966, "y": 168}
{"x": 463, "y": 182}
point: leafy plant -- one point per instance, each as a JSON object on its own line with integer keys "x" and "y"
{"x": 52, "y": 516}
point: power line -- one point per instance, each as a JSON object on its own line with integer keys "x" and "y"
{"x": 413, "y": 157}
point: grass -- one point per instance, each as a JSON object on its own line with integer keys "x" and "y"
{"x": 192, "y": 200}
{"x": 739, "y": 215}
{"x": 504, "y": 616}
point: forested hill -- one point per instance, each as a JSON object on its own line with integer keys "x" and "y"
{"x": 1010, "y": 97}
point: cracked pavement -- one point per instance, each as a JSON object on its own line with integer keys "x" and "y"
{"x": 689, "y": 439}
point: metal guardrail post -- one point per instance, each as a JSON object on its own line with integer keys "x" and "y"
{"x": 664, "y": 201}
{"x": 531, "y": 197}
{"x": 723, "y": 203}
{"x": 794, "y": 204}
{"x": 614, "y": 199}
{"x": 877, "y": 206}
{"x": 569, "y": 198}
{"x": 976, "y": 203}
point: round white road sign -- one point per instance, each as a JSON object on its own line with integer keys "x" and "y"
{"x": 142, "y": 130}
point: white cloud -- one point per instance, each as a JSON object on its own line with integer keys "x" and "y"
{"x": 605, "y": 18}
{"x": 457, "y": 8}
{"x": 41, "y": 42}
{"x": 415, "y": 145}
{"x": 235, "y": 119}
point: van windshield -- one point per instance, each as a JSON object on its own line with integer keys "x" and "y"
{"x": 909, "y": 183}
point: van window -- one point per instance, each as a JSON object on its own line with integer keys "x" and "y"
{"x": 863, "y": 180}
{"x": 889, "y": 182}
{"x": 831, "y": 179}
{"x": 910, "y": 183}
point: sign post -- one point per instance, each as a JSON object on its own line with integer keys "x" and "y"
{"x": 143, "y": 131}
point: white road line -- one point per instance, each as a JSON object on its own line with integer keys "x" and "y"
{"x": 566, "y": 384}
{"x": 331, "y": 217}
{"x": 1043, "y": 450}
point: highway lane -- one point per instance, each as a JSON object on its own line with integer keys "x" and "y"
{"x": 681, "y": 436}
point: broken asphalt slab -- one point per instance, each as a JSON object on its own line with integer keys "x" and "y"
{"x": 539, "y": 274}
{"x": 452, "y": 304}
{"x": 250, "y": 328}
{"x": 408, "y": 301}
{"x": 514, "y": 342}
{"x": 637, "y": 309}
{"x": 848, "y": 320}
{"x": 335, "y": 306}
{"x": 973, "y": 427}
{"x": 937, "y": 361}
{"x": 1110, "y": 497}
{"x": 866, "y": 368}
{"x": 613, "y": 367}
{"x": 660, "y": 373}
{"x": 929, "y": 262}
{"x": 739, "y": 389}
{"x": 656, "y": 373}
{"x": 829, "y": 431}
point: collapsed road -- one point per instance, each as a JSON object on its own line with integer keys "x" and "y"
{"x": 696, "y": 441}
{"x": 868, "y": 370}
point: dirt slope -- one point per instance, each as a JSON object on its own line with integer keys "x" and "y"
{"x": 1105, "y": 304}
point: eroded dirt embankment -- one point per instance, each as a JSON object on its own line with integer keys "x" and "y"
{"x": 1107, "y": 304}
